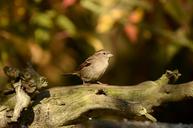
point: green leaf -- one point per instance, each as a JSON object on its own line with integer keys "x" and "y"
{"x": 65, "y": 23}
{"x": 44, "y": 19}
{"x": 42, "y": 35}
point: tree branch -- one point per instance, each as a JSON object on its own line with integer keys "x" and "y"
{"x": 76, "y": 104}
{"x": 71, "y": 105}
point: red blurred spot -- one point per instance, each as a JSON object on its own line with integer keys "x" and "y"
{"x": 131, "y": 28}
{"x": 67, "y": 3}
{"x": 131, "y": 31}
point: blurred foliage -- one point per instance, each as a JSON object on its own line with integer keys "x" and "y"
{"x": 146, "y": 36}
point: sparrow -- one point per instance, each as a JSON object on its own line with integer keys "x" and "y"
{"x": 92, "y": 69}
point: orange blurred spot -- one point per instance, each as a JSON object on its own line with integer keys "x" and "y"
{"x": 131, "y": 28}
{"x": 38, "y": 55}
{"x": 136, "y": 16}
{"x": 106, "y": 21}
{"x": 132, "y": 32}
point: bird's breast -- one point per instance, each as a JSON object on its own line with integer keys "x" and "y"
{"x": 94, "y": 71}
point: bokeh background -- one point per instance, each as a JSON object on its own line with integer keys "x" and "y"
{"x": 146, "y": 37}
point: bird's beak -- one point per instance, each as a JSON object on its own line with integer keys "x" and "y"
{"x": 110, "y": 55}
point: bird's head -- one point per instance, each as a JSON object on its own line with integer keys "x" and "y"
{"x": 104, "y": 53}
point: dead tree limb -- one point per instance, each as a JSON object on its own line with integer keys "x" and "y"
{"x": 67, "y": 106}
{"x": 76, "y": 104}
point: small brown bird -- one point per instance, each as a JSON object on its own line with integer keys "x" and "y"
{"x": 92, "y": 69}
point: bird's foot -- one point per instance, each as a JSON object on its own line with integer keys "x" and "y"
{"x": 98, "y": 82}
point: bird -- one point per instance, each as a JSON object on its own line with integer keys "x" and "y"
{"x": 92, "y": 69}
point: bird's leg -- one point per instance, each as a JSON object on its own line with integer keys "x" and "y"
{"x": 83, "y": 82}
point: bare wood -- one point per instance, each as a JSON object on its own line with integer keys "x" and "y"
{"x": 71, "y": 105}
{"x": 67, "y": 106}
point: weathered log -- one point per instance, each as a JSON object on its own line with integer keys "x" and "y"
{"x": 68, "y": 106}
{"x": 65, "y": 106}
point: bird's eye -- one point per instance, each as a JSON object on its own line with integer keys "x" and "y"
{"x": 104, "y": 53}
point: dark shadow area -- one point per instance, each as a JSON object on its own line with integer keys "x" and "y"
{"x": 70, "y": 80}
{"x": 103, "y": 124}
{"x": 27, "y": 118}
{"x": 175, "y": 112}
{"x": 183, "y": 62}
{"x": 37, "y": 98}
{"x": 14, "y": 125}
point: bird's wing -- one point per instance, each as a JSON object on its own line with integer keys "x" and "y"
{"x": 86, "y": 63}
